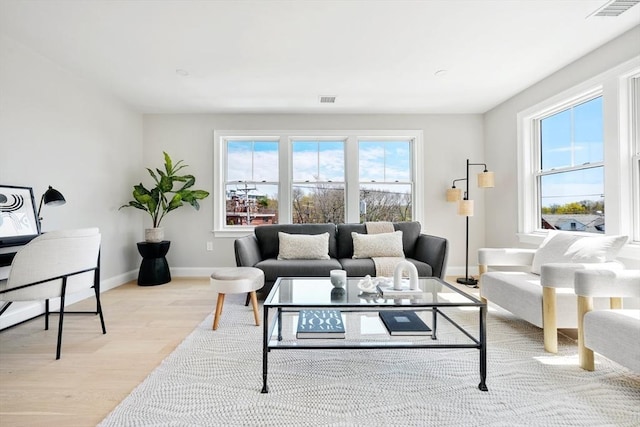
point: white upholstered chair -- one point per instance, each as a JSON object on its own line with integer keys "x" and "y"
{"x": 615, "y": 332}
{"x": 541, "y": 291}
{"x": 54, "y": 265}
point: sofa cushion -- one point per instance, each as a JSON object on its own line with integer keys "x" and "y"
{"x": 269, "y": 243}
{"x": 410, "y": 233}
{"x": 560, "y": 247}
{"x": 274, "y": 268}
{"x": 303, "y": 246}
{"x": 377, "y": 245}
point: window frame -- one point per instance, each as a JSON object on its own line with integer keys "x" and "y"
{"x": 286, "y": 138}
{"x": 621, "y": 202}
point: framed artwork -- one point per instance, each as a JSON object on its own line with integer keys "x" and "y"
{"x": 18, "y": 217}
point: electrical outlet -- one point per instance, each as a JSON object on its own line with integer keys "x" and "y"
{"x": 209, "y": 246}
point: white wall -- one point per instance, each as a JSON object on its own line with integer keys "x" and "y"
{"x": 448, "y": 139}
{"x": 500, "y": 133}
{"x": 56, "y": 129}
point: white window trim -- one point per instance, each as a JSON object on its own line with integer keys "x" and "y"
{"x": 351, "y": 138}
{"x": 618, "y": 159}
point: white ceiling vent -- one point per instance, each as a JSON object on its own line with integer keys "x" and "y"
{"x": 329, "y": 99}
{"x": 614, "y": 8}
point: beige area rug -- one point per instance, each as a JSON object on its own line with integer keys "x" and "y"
{"x": 214, "y": 379}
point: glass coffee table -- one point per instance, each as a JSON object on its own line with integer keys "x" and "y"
{"x": 437, "y": 306}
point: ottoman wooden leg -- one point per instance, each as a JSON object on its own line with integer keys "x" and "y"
{"x": 216, "y": 317}
{"x": 254, "y": 303}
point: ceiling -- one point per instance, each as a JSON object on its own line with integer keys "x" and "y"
{"x": 268, "y": 56}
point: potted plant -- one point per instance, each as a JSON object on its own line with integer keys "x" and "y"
{"x": 163, "y": 198}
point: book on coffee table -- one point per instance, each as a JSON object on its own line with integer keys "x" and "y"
{"x": 320, "y": 324}
{"x": 404, "y": 323}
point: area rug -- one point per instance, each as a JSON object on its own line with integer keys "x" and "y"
{"x": 214, "y": 378}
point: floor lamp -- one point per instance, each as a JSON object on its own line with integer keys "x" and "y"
{"x": 465, "y": 208}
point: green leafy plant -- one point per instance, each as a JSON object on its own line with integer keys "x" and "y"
{"x": 163, "y": 198}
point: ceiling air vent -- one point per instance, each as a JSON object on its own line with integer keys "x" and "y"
{"x": 328, "y": 99}
{"x": 615, "y": 7}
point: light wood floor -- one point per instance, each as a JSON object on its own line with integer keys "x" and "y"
{"x": 96, "y": 371}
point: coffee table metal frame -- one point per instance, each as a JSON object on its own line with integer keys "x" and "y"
{"x": 429, "y": 284}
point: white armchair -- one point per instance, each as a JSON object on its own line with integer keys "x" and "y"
{"x": 613, "y": 333}
{"x": 541, "y": 290}
{"x": 53, "y": 265}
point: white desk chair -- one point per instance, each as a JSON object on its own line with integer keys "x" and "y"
{"x": 51, "y": 266}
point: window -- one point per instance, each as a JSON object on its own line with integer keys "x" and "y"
{"x": 251, "y": 184}
{"x": 579, "y": 160}
{"x": 318, "y": 194}
{"x": 323, "y": 176}
{"x": 570, "y": 177}
{"x": 385, "y": 180}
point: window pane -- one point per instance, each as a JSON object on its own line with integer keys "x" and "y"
{"x": 252, "y": 161}
{"x": 265, "y": 161}
{"x": 386, "y": 202}
{"x": 239, "y": 164}
{"x": 573, "y": 200}
{"x": 572, "y": 137}
{"x": 318, "y": 203}
{"x": 251, "y": 204}
{"x": 318, "y": 161}
{"x": 385, "y": 161}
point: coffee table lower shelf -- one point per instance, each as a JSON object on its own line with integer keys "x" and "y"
{"x": 273, "y": 341}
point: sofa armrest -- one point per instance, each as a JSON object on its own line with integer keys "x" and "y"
{"x": 608, "y": 283}
{"x": 433, "y": 250}
{"x": 561, "y": 275}
{"x": 247, "y": 251}
{"x": 502, "y": 257}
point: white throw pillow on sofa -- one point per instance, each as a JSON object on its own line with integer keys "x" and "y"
{"x": 303, "y": 246}
{"x": 377, "y": 245}
{"x": 561, "y": 246}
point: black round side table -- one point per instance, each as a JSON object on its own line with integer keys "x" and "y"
{"x": 154, "y": 269}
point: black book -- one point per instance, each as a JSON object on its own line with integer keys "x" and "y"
{"x": 404, "y": 323}
{"x": 320, "y": 324}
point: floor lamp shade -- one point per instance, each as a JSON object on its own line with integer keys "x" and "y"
{"x": 465, "y": 207}
{"x": 454, "y": 194}
{"x": 486, "y": 179}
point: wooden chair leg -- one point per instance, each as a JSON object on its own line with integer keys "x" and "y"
{"x": 585, "y": 355}
{"x": 549, "y": 321}
{"x": 218, "y": 312}
{"x": 254, "y": 303}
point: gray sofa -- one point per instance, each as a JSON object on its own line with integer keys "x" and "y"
{"x": 260, "y": 250}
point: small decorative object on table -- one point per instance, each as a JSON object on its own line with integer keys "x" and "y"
{"x": 338, "y": 278}
{"x": 404, "y": 323}
{"x": 320, "y": 324}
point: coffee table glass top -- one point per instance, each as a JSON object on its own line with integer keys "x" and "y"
{"x": 319, "y": 292}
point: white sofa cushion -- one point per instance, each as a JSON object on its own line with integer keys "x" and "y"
{"x": 303, "y": 246}
{"x": 521, "y": 293}
{"x": 559, "y": 247}
{"x": 615, "y": 334}
{"x": 377, "y": 245}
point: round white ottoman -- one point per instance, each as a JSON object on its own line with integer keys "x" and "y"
{"x": 236, "y": 280}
